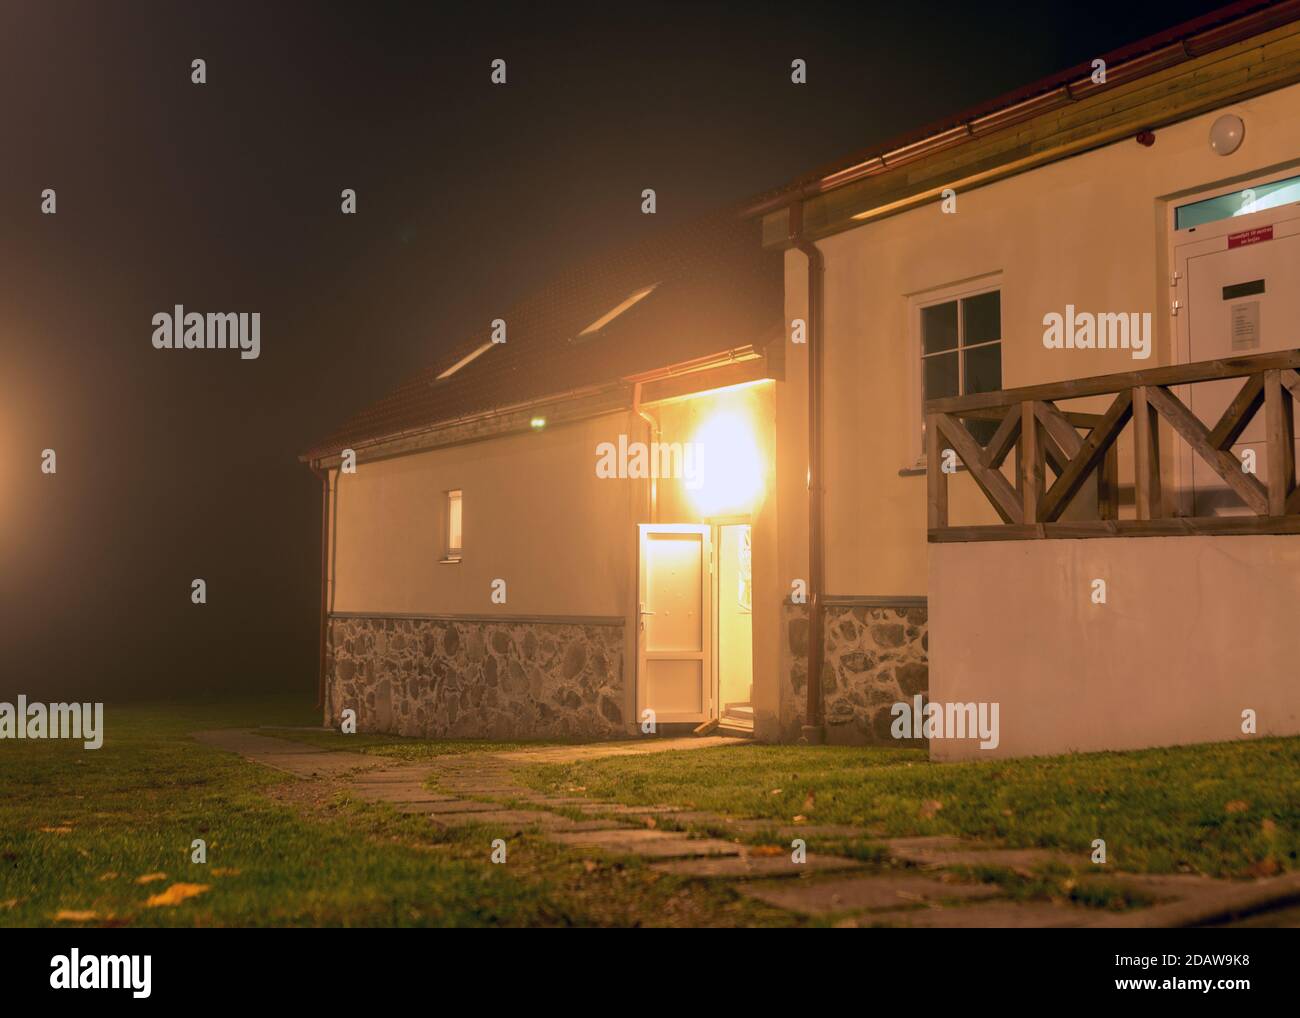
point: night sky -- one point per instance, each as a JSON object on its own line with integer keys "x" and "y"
{"x": 225, "y": 197}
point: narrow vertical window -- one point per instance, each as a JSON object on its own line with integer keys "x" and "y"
{"x": 453, "y": 534}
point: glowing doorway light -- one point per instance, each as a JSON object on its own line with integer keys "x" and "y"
{"x": 730, "y": 464}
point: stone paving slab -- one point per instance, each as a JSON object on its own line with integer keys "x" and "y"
{"x": 620, "y": 810}
{"x": 563, "y": 800}
{"x": 857, "y": 894}
{"x": 462, "y": 806}
{"x": 810, "y": 830}
{"x": 1166, "y": 885}
{"x": 283, "y": 755}
{"x": 594, "y": 751}
{"x": 1229, "y": 900}
{"x": 698, "y": 816}
{"x": 937, "y": 852}
{"x": 984, "y": 915}
{"x": 671, "y": 848}
{"x": 429, "y": 808}
{"x": 565, "y": 824}
{"x": 315, "y": 764}
{"x": 394, "y": 778}
{"x": 635, "y": 841}
{"x": 749, "y": 867}
{"x": 399, "y": 793}
{"x": 517, "y": 818}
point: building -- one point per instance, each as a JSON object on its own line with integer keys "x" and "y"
{"x": 524, "y": 548}
{"x": 999, "y": 413}
{"x": 936, "y": 265}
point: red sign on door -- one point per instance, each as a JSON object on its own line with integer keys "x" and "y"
{"x": 1255, "y": 236}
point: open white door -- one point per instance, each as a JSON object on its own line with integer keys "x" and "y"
{"x": 675, "y": 626}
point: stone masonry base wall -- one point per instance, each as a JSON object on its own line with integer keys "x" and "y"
{"x": 875, "y": 656}
{"x": 458, "y": 678}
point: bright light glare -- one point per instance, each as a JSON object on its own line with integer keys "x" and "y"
{"x": 731, "y": 464}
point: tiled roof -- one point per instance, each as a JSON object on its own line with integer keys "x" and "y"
{"x": 715, "y": 289}
{"x": 1218, "y": 28}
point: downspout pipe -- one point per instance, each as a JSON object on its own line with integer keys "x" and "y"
{"x": 654, "y": 439}
{"x": 813, "y": 728}
{"x": 324, "y": 478}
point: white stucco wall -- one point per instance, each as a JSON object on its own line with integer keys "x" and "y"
{"x": 535, "y": 515}
{"x": 1089, "y": 231}
{"x": 1194, "y": 631}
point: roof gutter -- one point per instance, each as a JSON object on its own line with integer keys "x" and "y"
{"x": 813, "y": 730}
{"x": 694, "y": 366}
{"x": 653, "y": 424}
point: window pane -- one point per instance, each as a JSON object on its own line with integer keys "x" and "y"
{"x": 1238, "y": 203}
{"x": 983, "y": 369}
{"x": 940, "y": 376}
{"x": 981, "y": 318}
{"x": 939, "y": 327}
{"x": 453, "y": 522}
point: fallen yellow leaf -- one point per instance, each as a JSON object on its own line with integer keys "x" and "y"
{"x": 175, "y": 894}
{"x": 224, "y": 871}
{"x": 149, "y": 878}
{"x": 57, "y": 830}
{"x": 75, "y": 916}
{"x": 800, "y": 819}
{"x": 108, "y": 876}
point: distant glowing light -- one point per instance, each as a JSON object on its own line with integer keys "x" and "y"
{"x": 537, "y": 423}
{"x": 731, "y": 464}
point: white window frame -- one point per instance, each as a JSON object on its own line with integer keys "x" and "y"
{"x": 915, "y": 303}
{"x": 450, "y": 554}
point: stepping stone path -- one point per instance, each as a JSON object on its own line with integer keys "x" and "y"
{"x": 920, "y": 887}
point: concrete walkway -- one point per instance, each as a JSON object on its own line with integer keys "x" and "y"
{"x": 925, "y": 884}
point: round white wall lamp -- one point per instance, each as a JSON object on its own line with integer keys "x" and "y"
{"x": 1226, "y": 134}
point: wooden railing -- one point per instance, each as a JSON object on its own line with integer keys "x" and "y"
{"x": 1044, "y": 437}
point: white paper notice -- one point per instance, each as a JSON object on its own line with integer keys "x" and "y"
{"x": 1245, "y": 325}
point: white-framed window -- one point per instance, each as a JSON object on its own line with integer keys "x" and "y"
{"x": 452, "y": 524}
{"x": 956, "y": 350}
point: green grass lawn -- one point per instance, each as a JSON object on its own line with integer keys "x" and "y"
{"x": 1228, "y": 809}
{"x": 78, "y": 829}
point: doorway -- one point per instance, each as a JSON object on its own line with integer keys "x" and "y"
{"x": 1236, "y": 263}
{"x": 734, "y": 613}
{"x": 694, "y": 634}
